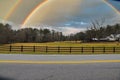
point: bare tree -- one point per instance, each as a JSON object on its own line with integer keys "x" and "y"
{"x": 96, "y": 27}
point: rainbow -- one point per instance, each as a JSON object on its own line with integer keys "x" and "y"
{"x": 106, "y": 1}
{"x": 33, "y": 12}
{"x": 41, "y": 4}
{"x": 12, "y": 9}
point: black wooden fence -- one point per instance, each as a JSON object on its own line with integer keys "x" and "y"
{"x": 48, "y": 49}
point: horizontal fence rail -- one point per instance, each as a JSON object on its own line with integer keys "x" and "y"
{"x": 48, "y": 49}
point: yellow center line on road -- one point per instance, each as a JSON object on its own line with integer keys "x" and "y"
{"x": 59, "y": 62}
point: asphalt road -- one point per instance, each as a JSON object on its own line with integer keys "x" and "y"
{"x": 59, "y": 57}
{"x": 104, "y": 70}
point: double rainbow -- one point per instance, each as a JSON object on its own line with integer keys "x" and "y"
{"x": 18, "y": 2}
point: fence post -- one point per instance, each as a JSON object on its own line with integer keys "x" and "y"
{"x": 10, "y": 48}
{"x": 46, "y": 49}
{"x": 114, "y": 50}
{"x": 70, "y": 49}
{"x": 33, "y": 48}
{"x": 21, "y": 48}
{"x": 104, "y": 49}
{"x": 81, "y": 49}
{"x": 58, "y": 49}
{"x": 93, "y": 50}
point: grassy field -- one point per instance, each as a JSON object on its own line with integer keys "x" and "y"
{"x": 69, "y": 44}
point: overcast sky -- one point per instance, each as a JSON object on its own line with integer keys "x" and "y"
{"x": 62, "y": 15}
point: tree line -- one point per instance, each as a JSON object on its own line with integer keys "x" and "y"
{"x": 8, "y": 35}
{"x": 98, "y": 32}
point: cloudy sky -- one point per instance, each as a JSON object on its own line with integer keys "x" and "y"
{"x": 69, "y": 16}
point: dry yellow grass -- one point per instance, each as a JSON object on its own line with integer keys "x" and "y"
{"x": 69, "y": 44}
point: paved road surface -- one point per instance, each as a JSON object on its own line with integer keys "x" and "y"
{"x": 87, "y": 71}
{"x": 59, "y": 57}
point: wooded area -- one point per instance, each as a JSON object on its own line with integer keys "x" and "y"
{"x": 26, "y": 35}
